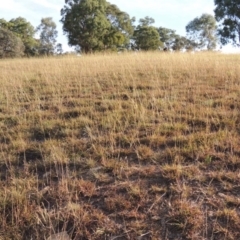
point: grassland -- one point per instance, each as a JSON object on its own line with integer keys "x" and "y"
{"x": 130, "y": 146}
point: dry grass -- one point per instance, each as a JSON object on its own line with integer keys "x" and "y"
{"x": 131, "y": 146}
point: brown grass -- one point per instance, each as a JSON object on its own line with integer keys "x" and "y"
{"x": 130, "y": 146}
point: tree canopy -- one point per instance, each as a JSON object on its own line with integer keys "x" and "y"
{"x": 227, "y": 13}
{"x": 146, "y": 37}
{"x": 202, "y": 30}
{"x": 173, "y": 41}
{"x": 121, "y": 27}
{"x": 23, "y": 30}
{"x": 10, "y": 44}
{"x": 167, "y": 36}
{"x": 48, "y": 35}
{"x": 95, "y": 24}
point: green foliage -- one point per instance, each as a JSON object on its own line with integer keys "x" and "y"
{"x": 85, "y": 23}
{"x": 23, "y": 30}
{"x": 146, "y": 37}
{"x": 167, "y": 36}
{"x": 202, "y": 30}
{"x": 48, "y": 35}
{"x": 181, "y": 43}
{"x": 146, "y": 22}
{"x": 228, "y": 14}
{"x": 10, "y": 44}
{"x": 174, "y": 41}
{"x": 59, "y": 49}
{"x": 121, "y": 27}
{"x": 92, "y": 25}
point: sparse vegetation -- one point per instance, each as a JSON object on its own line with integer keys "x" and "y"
{"x": 129, "y": 146}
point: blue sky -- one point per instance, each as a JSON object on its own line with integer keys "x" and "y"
{"x": 174, "y": 14}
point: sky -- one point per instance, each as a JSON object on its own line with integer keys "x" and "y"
{"x": 173, "y": 14}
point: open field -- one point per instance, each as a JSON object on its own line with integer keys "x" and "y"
{"x": 130, "y": 146}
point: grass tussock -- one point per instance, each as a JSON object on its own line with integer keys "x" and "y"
{"x": 130, "y": 146}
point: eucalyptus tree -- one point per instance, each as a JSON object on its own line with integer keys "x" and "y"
{"x": 59, "y": 49}
{"x": 23, "y": 30}
{"x": 146, "y": 37}
{"x": 121, "y": 29}
{"x": 167, "y": 37}
{"x": 93, "y": 25}
{"x": 227, "y": 13}
{"x": 48, "y": 36}
{"x": 10, "y": 44}
{"x": 203, "y": 31}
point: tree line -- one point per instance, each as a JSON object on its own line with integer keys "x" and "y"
{"x": 98, "y": 25}
{"x": 17, "y": 38}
